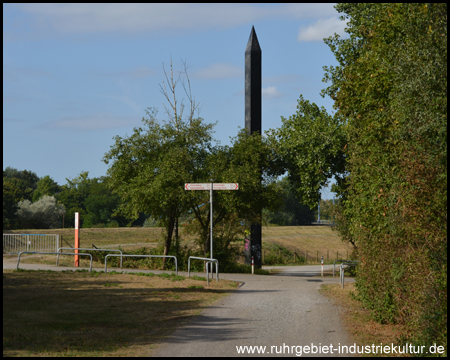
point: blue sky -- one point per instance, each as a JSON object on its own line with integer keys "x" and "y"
{"x": 76, "y": 75}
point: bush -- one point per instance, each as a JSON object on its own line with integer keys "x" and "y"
{"x": 42, "y": 214}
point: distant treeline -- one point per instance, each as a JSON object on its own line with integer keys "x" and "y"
{"x": 30, "y": 202}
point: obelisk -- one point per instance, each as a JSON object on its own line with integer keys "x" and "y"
{"x": 253, "y": 123}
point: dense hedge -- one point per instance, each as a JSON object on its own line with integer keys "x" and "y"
{"x": 391, "y": 89}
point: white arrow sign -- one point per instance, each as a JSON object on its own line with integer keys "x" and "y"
{"x": 206, "y": 186}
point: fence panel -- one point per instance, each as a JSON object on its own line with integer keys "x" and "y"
{"x": 15, "y": 243}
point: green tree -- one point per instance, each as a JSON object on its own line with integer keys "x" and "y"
{"x": 73, "y": 195}
{"x": 312, "y": 144}
{"x": 45, "y": 186}
{"x": 101, "y": 204}
{"x": 25, "y": 182}
{"x": 149, "y": 168}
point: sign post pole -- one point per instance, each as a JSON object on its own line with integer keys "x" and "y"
{"x": 211, "y": 212}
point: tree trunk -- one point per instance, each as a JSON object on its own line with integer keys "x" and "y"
{"x": 169, "y": 228}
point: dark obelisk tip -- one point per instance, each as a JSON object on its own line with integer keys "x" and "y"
{"x": 253, "y": 43}
{"x": 253, "y": 84}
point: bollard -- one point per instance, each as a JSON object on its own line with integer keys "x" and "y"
{"x": 322, "y": 265}
{"x": 253, "y": 265}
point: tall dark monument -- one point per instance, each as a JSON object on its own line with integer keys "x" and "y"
{"x": 253, "y": 122}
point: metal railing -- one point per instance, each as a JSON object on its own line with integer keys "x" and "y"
{"x": 126, "y": 255}
{"x": 342, "y": 270}
{"x": 207, "y": 270}
{"x": 324, "y": 222}
{"x": 50, "y": 253}
{"x": 208, "y": 260}
{"x": 66, "y": 248}
{"x": 348, "y": 261}
{"x": 15, "y": 243}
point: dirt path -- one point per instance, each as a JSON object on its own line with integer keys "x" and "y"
{"x": 277, "y": 312}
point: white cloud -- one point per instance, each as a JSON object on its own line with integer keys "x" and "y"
{"x": 220, "y": 70}
{"x": 91, "y": 122}
{"x": 157, "y": 17}
{"x": 322, "y": 28}
{"x": 270, "y": 92}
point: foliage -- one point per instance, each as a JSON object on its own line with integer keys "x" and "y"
{"x": 311, "y": 143}
{"x": 390, "y": 92}
{"x": 149, "y": 168}
{"x": 327, "y": 209}
{"x": 243, "y": 162}
{"x": 45, "y": 186}
{"x": 101, "y": 204}
{"x": 24, "y": 183}
{"x": 93, "y": 199}
{"x": 17, "y": 186}
{"x": 9, "y": 205}
{"x": 292, "y": 212}
{"x": 42, "y": 214}
{"x": 73, "y": 195}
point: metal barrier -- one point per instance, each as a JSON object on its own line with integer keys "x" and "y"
{"x": 66, "y": 248}
{"x": 207, "y": 270}
{"x": 50, "y": 253}
{"x": 324, "y": 222}
{"x": 15, "y": 243}
{"x": 342, "y": 274}
{"x": 334, "y": 264}
{"x": 162, "y": 256}
{"x": 208, "y": 260}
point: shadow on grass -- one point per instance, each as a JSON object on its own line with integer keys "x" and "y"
{"x": 75, "y": 313}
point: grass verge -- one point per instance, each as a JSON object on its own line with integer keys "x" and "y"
{"x": 363, "y": 330}
{"x": 69, "y": 313}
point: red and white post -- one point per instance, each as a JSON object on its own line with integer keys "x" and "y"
{"x": 77, "y": 239}
{"x": 253, "y": 265}
{"x": 322, "y": 265}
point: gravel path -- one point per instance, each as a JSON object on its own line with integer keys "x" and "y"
{"x": 276, "y": 310}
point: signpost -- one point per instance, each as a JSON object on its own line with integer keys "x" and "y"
{"x": 211, "y": 186}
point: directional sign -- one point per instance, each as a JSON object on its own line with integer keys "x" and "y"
{"x": 197, "y": 186}
{"x": 226, "y": 186}
{"x": 207, "y": 186}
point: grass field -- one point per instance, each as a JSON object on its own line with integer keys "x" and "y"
{"x": 48, "y": 313}
{"x": 313, "y": 241}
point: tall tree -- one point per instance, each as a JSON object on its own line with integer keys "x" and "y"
{"x": 149, "y": 168}
{"x": 311, "y": 143}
